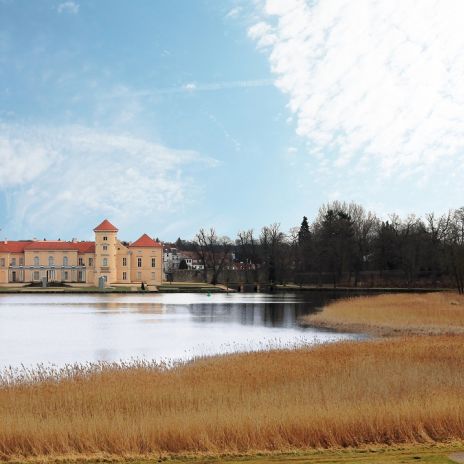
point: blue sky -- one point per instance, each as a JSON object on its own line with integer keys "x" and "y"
{"x": 166, "y": 116}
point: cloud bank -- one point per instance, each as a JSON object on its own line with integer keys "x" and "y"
{"x": 375, "y": 86}
{"x": 54, "y": 175}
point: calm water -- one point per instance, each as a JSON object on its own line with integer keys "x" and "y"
{"x": 63, "y": 329}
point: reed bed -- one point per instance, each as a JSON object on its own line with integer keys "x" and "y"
{"x": 393, "y": 314}
{"x": 349, "y": 394}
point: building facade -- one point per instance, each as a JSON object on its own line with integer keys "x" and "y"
{"x": 74, "y": 262}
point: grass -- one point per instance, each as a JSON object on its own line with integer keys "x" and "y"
{"x": 421, "y": 454}
{"x": 376, "y": 455}
{"x": 194, "y": 287}
{"x": 393, "y": 314}
{"x": 351, "y": 394}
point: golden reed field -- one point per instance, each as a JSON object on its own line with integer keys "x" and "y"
{"x": 385, "y": 391}
{"x": 392, "y": 314}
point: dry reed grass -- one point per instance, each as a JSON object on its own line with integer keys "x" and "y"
{"x": 400, "y": 390}
{"x": 393, "y": 314}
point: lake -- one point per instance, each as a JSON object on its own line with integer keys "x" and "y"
{"x": 60, "y": 329}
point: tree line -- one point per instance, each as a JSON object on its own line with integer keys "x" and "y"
{"x": 343, "y": 245}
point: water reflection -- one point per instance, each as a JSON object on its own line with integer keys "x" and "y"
{"x": 264, "y": 314}
{"x": 277, "y": 311}
{"x": 78, "y": 328}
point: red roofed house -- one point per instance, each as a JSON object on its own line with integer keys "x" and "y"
{"x": 83, "y": 262}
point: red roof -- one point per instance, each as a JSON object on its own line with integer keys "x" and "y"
{"x": 145, "y": 241}
{"x": 51, "y": 245}
{"x": 105, "y": 226}
{"x": 85, "y": 247}
{"x": 13, "y": 247}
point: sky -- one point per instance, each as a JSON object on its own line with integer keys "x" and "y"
{"x": 170, "y": 115}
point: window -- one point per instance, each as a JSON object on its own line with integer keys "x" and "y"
{"x": 51, "y": 275}
{"x": 80, "y": 262}
{"x": 105, "y": 238}
{"x": 139, "y": 262}
{"x": 65, "y": 275}
{"x": 21, "y": 261}
{"x": 124, "y": 276}
{"x": 105, "y": 247}
{"x": 2, "y": 262}
{"x": 36, "y": 260}
{"x": 36, "y": 275}
{"x": 13, "y": 261}
{"x": 65, "y": 260}
{"x": 90, "y": 262}
{"x": 105, "y": 262}
{"x": 139, "y": 276}
{"x": 153, "y": 262}
{"x": 51, "y": 261}
{"x": 124, "y": 261}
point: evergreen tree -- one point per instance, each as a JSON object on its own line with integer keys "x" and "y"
{"x": 305, "y": 246}
{"x": 304, "y": 234}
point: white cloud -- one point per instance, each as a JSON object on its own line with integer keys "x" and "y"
{"x": 68, "y": 7}
{"x": 190, "y": 87}
{"x": 234, "y": 12}
{"x": 52, "y": 174}
{"x": 376, "y": 86}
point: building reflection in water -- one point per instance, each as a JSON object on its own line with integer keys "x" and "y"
{"x": 109, "y": 307}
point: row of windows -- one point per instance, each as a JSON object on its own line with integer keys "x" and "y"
{"x": 139, "y": 275}
{"x": 139, "y": 262}
{"x": 124, "y": 262}
{"x": 51, "y": 275}
{"x": 51, "y": 261}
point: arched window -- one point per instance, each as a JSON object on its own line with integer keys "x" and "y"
{"x": 36, "y": 260}
{"x": 65, "y": 260}
{"x": 51, "y": 260}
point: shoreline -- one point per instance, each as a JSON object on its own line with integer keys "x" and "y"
{"x": 208, "y": 288}
{"x": 393, "y": 315}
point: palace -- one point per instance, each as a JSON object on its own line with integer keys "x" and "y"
{"x": 84, "y": 263}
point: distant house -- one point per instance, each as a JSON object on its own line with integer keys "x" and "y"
{"x": 191, "y": 260}
{"x": 171, "y": 259}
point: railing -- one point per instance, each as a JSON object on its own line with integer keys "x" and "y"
{"x": 80, "y": 268}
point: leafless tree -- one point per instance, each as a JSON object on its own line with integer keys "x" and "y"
{"x": 454, "y": 243}
{"x": 212, "y": 251}
{"x": 247, "y": 247}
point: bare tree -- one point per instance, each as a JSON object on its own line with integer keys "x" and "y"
{"x": 248, "y": 252}
{"x": 454, "y": 244}
{"x": 272, "y": 242}
{"x": 212, "y": 251}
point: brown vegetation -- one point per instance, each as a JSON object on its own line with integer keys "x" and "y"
{"x": 401, "y": 390}
{"x": 393, "y": 314}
